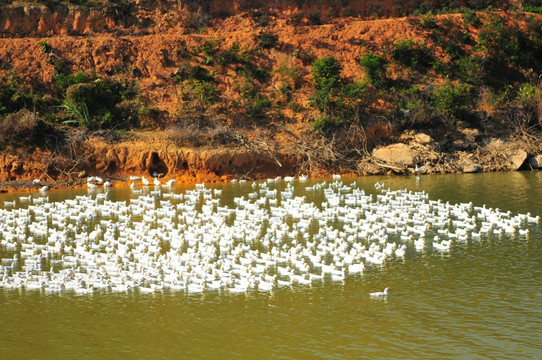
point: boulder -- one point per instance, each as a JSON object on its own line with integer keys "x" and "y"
{"x": 511, "y": 153}
{"x": 396, "y": 154}
{"x": 471, "y": 134}
{"x": 517, "y": 158}
{"x": 471, "y": 168}
{"x": 536, "y": 161}
{"x": 423, "y": 139}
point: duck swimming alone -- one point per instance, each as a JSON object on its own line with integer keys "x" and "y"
{"x": 379, "y": 294}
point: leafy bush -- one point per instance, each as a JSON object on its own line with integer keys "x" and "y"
{"x": 268, "y": 40}
{"x": 326, "y": 73}
{"x": 355, "y": 99}
{"x": 429, "y": 21}
{"x": 451, "y": 100}
{"x": 77, "y": 113}
{"x": 315, "y": 18}
{"x": 258, "y": 107}
{"x": 342, "y": 108}
{"x": 63, "y": 81}
{"x": 533, "y": 9}
{"x": 471, "y": 18}
{"x": 442, "y": 68}
{"x": 451, "y": 38}
{"x": 14, "y": 95}
{"x": 206, "y": 93}
{"x": 196, "y": 73}
{"x": 499, "y": 40}
{"x": 527, "y": 93}
{"x": 375, "y": 67}
{"x": 509, "y": 48}
{"x": 340, "y": 102}
{"x": 411, "y": 54}
{"x": 471, "y": 70}
{"x": 94, "y": 104}
{"x": 520, "y": 47}
{"x": 253, "y": 72}
{"x": 255, "y": 104}
{"x": 415, "y": 110}
{"x": 230, "y": 56}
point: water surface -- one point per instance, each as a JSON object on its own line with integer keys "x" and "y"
{"x": 480, "y": 300}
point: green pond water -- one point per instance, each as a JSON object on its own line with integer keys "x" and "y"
{"x": 480, "y": 300}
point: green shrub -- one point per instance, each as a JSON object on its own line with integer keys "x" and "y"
{"x": 314, "y": 17}
{"x": 326, "y": 73}
{"x": 253, "y": 72}
{"x": 268, "y": 40}
{"x": 14, "y": 95}
{"x": 509, "y": 50}
{"x": 324, "y": 124}
{"x": 498, "y": 39}
{"x": 375, "y": 67}
{"x": 94, "y": 104}
{"x": 63, "y": 81}
{"x": 197, "y": 73}
{"x": 451, "y": 99}
{"x": 205, "y": 92}
{"x": 533, "y": 9}
{"x": 210, "y": 50}
{"x": 44, "y": 45}
{"x": 429, "y": 21}
{"x": 505, "y": 42}
{"x": 471, "y": 18}
{"x": 411, "y": 54}
{"x": 230, "y": 56}
{"x": 339, "y": 102}
{"x": 416, "y": 111}
{"x": 527, "y": 93}
{"x": 471, "y": 70}
{"x": 355, "y": 99}
{"x": 441, "y": 68}
{"x": 258, "y": 107}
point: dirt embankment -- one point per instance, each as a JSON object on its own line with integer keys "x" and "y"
{"x": 143, "y": 154}
{"x": 155, "y": 154}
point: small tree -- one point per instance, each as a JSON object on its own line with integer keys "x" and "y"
{"x": 326, "y": 72}
{"x": 375, "y": 67}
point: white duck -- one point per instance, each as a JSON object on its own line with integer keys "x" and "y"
{"x": 380, "y": 294}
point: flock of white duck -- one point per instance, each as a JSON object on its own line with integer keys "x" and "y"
{"x": 191, "y": 242}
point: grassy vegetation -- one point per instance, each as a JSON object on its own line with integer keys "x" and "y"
{"x": 418, "y": 89}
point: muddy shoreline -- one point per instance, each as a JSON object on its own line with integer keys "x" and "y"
{"x": 147, "y": 154}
